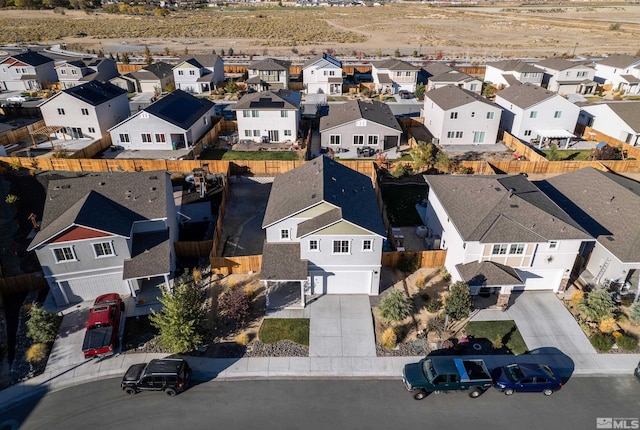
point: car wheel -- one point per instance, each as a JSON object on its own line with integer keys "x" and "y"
{"x": 475, "y": 393}
{"x": 129, "y": 391}
{"x": 548, "y": 392}
{"x": 170, "y": 392}
{"x": 420, "y": 395}
{"x": 509, "y": 391}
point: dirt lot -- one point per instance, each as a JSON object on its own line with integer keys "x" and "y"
{"x": 477, "y": 33}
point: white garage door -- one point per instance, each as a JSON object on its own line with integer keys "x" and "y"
{"x": 80, "y": 289}
{"x": 341, "y": 282}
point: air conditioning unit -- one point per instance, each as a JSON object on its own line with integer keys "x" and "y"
{"x": 436, "y": 242}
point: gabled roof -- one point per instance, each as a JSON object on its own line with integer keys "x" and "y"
{"x": 153, "y": 71}
{"x": 604, "y": 204}
{"x": 502, "y": 209}
{"x": 323, "y": 56}
{"x": 393, "y": 64}
{"x": 353, "y": 110}
{"x": 31, "y": 58}
{"x": 269, "y": 64}
{"x": 180, "y": 108}
{"x": 526, "y": 95}
{"x": 281, "y": 262}
{"x": 435, "y": 69}
{"x": 452, "y": 96}
{"x": 627, "y": 111}
{"x": 281, "y": 99}
{"x": 108, "y": 202}
{"x": 95, "y": 92}
{"x": 150, "y": 256}
{"x": 324, "y": 180}
{"x": 514, "y": 66}
{"x": 199, "y": 61}
{"x": 488, "y": 273}
{"x": 560, "y": 64}
{"x": 620, "y": 61}
{"x": 452, "y": 76}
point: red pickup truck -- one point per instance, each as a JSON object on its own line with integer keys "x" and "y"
{"x": 103, "y": 327}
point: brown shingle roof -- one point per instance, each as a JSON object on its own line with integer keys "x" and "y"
{"x": 353, "y": 110}
{"x": 451, "y": 96}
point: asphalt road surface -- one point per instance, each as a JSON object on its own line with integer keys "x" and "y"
{"x": 327, "y": 404}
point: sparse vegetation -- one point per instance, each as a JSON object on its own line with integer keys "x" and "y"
{"x": 42, "y": 326}
{"x": 596, "y": 306}
{"x": 634, "y": 315}
{"x": 389, "y": 338}
{"x": 235, "y": 304}
{"x": 396, "y": 306}
{"x": 627, "y": 343}
{"x": 458, "y": 302}
{"x": 602, "y": 342}
{"x": 37, "y": 353}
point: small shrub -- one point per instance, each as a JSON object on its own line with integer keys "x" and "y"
{"x": 626, "y": 301}
{"x": 421, "y": 281}
{"x": 250, "y": 291}
{"x": 402, "y": 170}
{"x": 243, "y": 339}
{"x": 444, "y": 273}
{"x": 433, "y": 305}
{"x": 11, "y": 199}
{"x": 42, "y": 326}
{"x": 617, "y": 334}
{"x": 435, "y": 324}
{"x": 622, "y": 318}
{"x": 234, "y": 304}
{"x": 627, "y": 343}
{"x": 389, "y": 339}
{"x": 576, "y": 297}
{"x": 458, "y": 301}
{"x": 408, "y": 263}
{"x": 602, "y": 342}
{"x": 497, "y": 342}
{"x": 608, "y": 325}
{"x": 197, "y": 275}
{"x": 396, "y": 306}
{"x": 36, "y": 353}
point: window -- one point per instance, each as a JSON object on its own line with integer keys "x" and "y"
{"x": 63, "y": 72}
{"x": 161, "y": 138}
{"x": 557, "y": 114}
{"x": 180, "y": 72}
{"x": 146, "y": 137}
{"x": 192, "y": 72}
{"x": 582, "y": 74}
{"x": 91, "y": 130}
{"x": 527, "y": 132}
{"x": 358, "y": 139}
{"x": 367, "y": 245}
{"x": 84, "y": 111}
{"x": 60, "y": 111}
{"x": 478, "y": 136}
{"x": 517, "y": 249}
{"x": 313, "y": 245}
{"x": 454, "y": 115}
{"x": 334, "y": 139}
{"x": 124, "y": 138}
{"x": 372, "y": 139}
{"x": 204, "y": 120}
{"x": 473, "y": 114}
{"x": 533, "y": 114}
{"x": 256, "y": 133}
{"x": 489, "y": 115}
{"x": 284, "y": 234}
{"x": 340, "y": 246}
{"x": 74, "y": 72}
{"x": 287, "y": 133}
{"x": 473, "y": 87}
{"x": 284, "y": 114}
{"x": 499, "y": 249}
{"x": 398, "y": 74}
{"x": 458, "y": 135}
{"x": 250, "y": 114}
{"x": 450, "y": 134}
{"x": 553, "y": 244}
{"x": 407, "y": 74}
{"x": 103, "y": 249}
{"x": 64, "y": 254}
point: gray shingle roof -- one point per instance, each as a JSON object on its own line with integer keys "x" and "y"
{"x": 153, "y": 71}
{"x": 325, "y": 180}
{"x": 451, "y": 96}
{"x": 604, "y": 204}
{"x": 526, "y": 95}
{"x": 201, "y": 60}
{"x": 281, "y": 99}
{"x": 353, "y": 110}
{"x": 393, "y": 64}
{"x": 95, "y": 92}
{"x": 281, "y": 262}
{"x": 435, "y": 69}
{"x": 323, "y": 56}
{"x": 151, "y": 255}
{"x": 628, "y": 111}
{"x": 269, "y": 64}
{"x": 488, "y": 273}
{"x": 558, "y": 63}
{"x": 31, "y": 58}
{"x": 502, "y": 209}
{"x": 619, "y": 60}
{"x": 514, "y": 65}
{"x": 180, "y": 108}
{"x": 330, "y": 217}
{"x": 452, "y": 76}
{"x": 109, "y": 202}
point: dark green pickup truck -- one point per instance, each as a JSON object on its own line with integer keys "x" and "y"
{"x": 434, "y": 374}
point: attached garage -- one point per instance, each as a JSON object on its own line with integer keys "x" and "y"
{"x": 340, "y": 282}
{"x": 75, "y": 290}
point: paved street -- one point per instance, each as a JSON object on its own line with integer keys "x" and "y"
{"x": 326, "y": 404}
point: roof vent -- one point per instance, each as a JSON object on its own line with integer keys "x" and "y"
{"x": 511, "y": 190}
{"x": 152, "y": 188}
{"x": 611, "y": 199}
{"x": 153, "y": 177}
{"x": 66, "y": 186}
{"x": 101, "y": 183}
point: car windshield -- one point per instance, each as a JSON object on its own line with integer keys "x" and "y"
{"x": 429, "y": 371}
{"x": 513, "y": 372}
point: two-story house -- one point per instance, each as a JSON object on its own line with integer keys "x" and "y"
{"x": 175, "y": 121}
{"x": 393, "y": 75}
{"x": 505, "y": 73}
{"x": 198, "y": 74}
{"x": 592, "y": 197}
{"x": 77, "y": 72}
{"x": 269, "y": 116}
{"x": 534, "y": 114}
{"x": 619, "y": 72}
{"x": 618, "y": 119}
{"x": 268, "y": 74}
{"x": 357, "y": 124}
{"x": 323, "y": 230}
{"x": 567, "y": 77}
{"x": 501, "y": 232}
{"x": 441, "y": 75}
{"x": 29, "y": 71}
{"x": 155, "y": 78}
{"x": 322, "y": 74}
{"x": 107, "y": 233}
{"x": 86, "y": 111}
{"x": 457, "y": 116}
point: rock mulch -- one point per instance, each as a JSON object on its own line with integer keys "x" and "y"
{"x": 404, "y": 349}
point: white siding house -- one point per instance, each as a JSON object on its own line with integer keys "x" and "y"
{"x": 322, "y": 74}
{"x": 269, "y": 116}
{"x": 618, "y": 119}
{"x": 567, "y": 77}
{"x": 199, "y": 74}
{"x": 393, "y": 75}
{"x": 29, "y": 71}
{"x": 511, "y": 72}
{"x": 620, "y": 72}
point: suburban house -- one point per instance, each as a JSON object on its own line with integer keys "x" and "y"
{"x": 324, "y": 231}
{"x": 108, "y": 233}
{"x": 77, "y": 72}
{"x": 567, "y": 77}
{"x": 457, "y": 116}
{"x": 29, "y": 71}
{"x": 154, "y": 78}
{"x": 268, "y": 74}
{"x": 606, "y": 205}
{"x": 198, "y": 74}
{"x": 322, "y": 74}
{"x": 505, "y": 73}
{"x": 393, "y": 75}
{"x": 501, "y": 233}
{"x": 536, "y": 115}
{"x": 85, "y": 111}
{"x": 175, "y": 121}
{"x": 441, "y": 75}
{"x": 618, "y": 119}
{"x": 269, "y": 116}
{"x": 619, "y": 72}
{"x": 357, "y": 127}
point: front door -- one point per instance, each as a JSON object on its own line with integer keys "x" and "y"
{"x": 317, "y": 284}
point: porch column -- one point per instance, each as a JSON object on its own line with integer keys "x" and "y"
{"x": 166, "y": 283}
{"x": 266, "y": 292}
{"x": 302, "y": 297}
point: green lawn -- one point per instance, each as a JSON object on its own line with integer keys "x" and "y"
{"x": 221, "y": 154}
{"x": 570, "y": 154}
{"x": 506, "y": 330}
{"x": 400, "y": 201}
{"x": 296, "y": 330}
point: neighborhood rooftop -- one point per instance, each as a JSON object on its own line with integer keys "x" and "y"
{"x": 525, "y": 95}
{"x": 452, "y": 96}
{"x": 180, "y": 108}
{"x": 353, "y": 110}
{"x": 95, "y": 92}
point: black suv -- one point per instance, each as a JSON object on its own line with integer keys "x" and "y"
{"x": 170, "y": 375}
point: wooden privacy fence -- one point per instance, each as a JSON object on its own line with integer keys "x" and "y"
{"x": 217, "y": 234}
{"x": 193, "y": 249}
{"x": 631, "y": 151}
{"x": 433, "y": 258}
{"x": 23, "y": 283}
{"x": 242, "y": 264}
{"x": 520, "y": 148}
